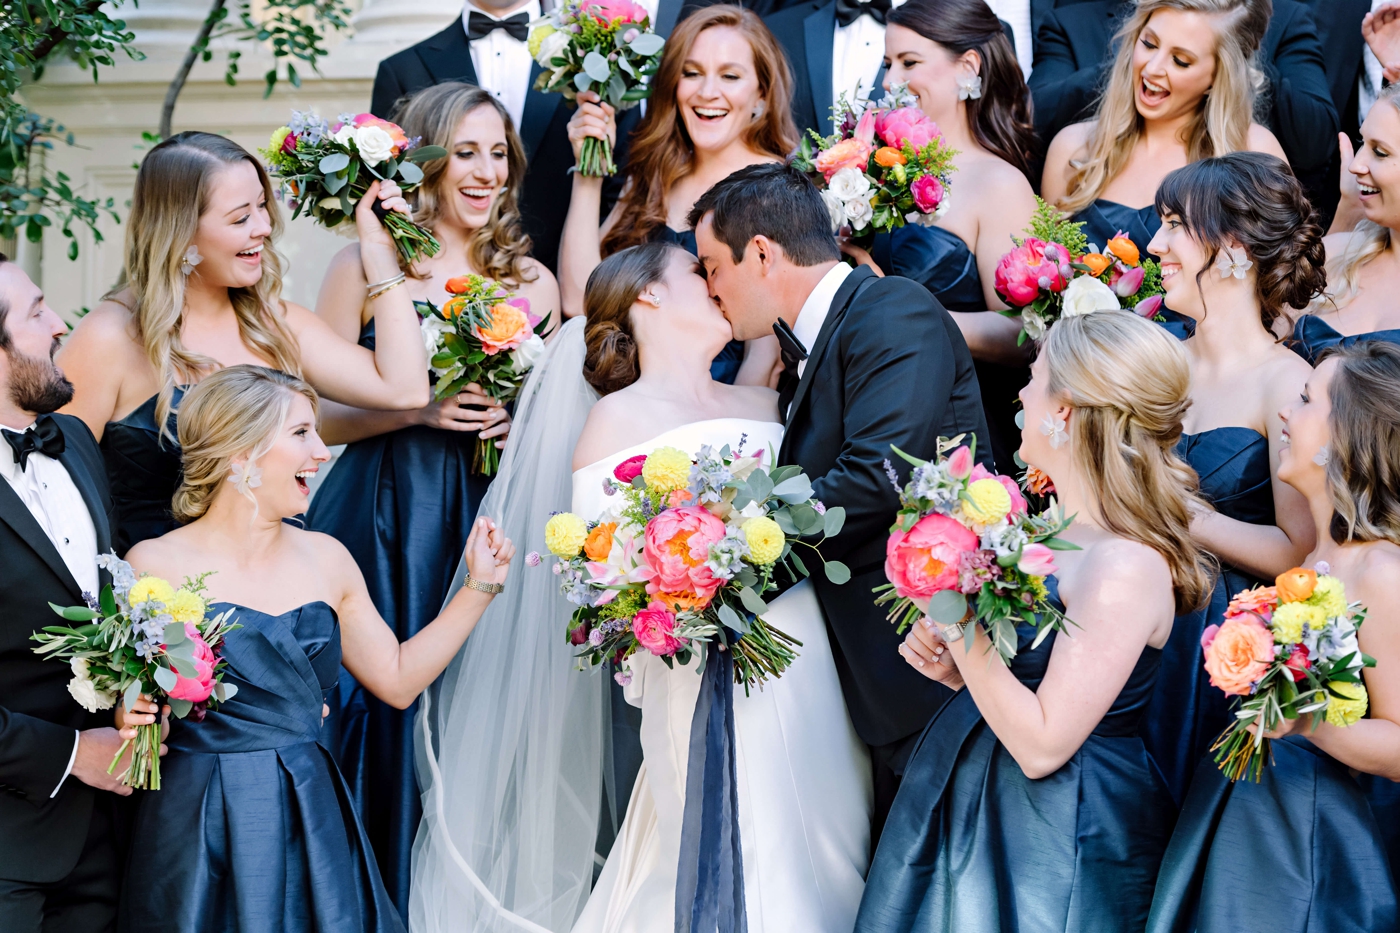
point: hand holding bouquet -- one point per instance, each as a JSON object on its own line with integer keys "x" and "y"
{"x": 1055, "y": 272}
{"x": 684, "y": 557}
{"x": 328, "y": 169}
{"x": 603, "y": 46}
{"x": 964, "y": 532}
{"x": 142, "y": 637}
{"x": 1285, "y": 651}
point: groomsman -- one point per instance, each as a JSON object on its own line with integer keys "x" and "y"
{"x": 58, "y": 863}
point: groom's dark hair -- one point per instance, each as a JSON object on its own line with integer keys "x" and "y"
{"x": 773, "y": 200}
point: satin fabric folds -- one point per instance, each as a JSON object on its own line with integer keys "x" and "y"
{"x": 253, "y": 829}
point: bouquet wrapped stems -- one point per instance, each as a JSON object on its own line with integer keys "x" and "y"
{"x": 486, "y": 461}
{"x": 413, "y": 241}
{"x": 595, "y": 158}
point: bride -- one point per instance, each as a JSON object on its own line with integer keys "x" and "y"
{"x": 803, "y": 776}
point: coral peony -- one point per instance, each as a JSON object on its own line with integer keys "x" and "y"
{"x": 677, "y": 548}
{"x": 617, "y": 11}
{"x": 508, "y": 329}
{"x": 654, "y": 628}
{"x": 196, "y": 689}
{"x": 924, "y": 560}
{"x": 629, "y": 469}
{"x": 1238, "y": 653}
{"x": 928, "y": 193}
{"x": 1024, "y": 271}
{"x": 905, "y": 125}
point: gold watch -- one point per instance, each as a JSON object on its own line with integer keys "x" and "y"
{"x": 492, "y": 588}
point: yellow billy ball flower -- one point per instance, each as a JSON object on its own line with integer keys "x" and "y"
{"x": 185, "y": 606}
{"x": 1330, "y": 596}
{"x": 564, "y": 535}
{"x": 667, "y": 469}
{"x": 765, "y": 540}
{"x": 1288, "y": 620}
{"x": 986, "y": 501}
{"x": 150, "y": 588}
{"x": 1345, "y": 712}
{"x": 537, "y": 36}
{"x": 279, "y": 136}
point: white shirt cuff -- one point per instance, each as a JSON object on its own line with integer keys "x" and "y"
{"x": 68, "y": 770}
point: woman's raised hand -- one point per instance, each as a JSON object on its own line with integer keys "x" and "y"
{"x": 375, "y": 243}
{"x": 592, "y": 118}
{"x": 489, "y": 552}
{"x": 1381, "y": 30}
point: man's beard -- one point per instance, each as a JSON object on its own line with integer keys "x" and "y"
{"x": 36, "y": 384}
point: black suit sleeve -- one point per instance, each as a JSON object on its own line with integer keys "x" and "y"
{"x": 388, "y": 88}
{"x": 1301, "y": 110}
{"x": 1062, "y": 90}
{"x": 33, "y": 754}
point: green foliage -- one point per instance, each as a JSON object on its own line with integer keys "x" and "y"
{"x": 293, "y": 30}
{"x": 1050, "y": 224}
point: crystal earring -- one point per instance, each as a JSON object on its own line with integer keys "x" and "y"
{"x": 190, "y": 260}
{"x": 969, "y": 87}
{"x": 245, "y": 477}
{"x": 653, "y": 300}
{"x": 1322, "y": 457}
{"x": 1053, "y": 427}
{"x": 1233, "y": 261}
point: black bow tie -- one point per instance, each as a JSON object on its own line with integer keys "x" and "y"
{"x": 793, "y": 353}
{"x": 46, "y": 438}
{"x": 848, "y": 11}
{"x": 479, "y": 26}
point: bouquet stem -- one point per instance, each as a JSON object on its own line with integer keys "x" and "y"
{"x": 143, "y": 773}
{"x": 487, "y": 459}
{"x": 595, "y": 158}
{"x": 412, "y": 240}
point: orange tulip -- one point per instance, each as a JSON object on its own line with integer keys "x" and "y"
{"x": 1125, "y": 249}
{"x": 889, "y": 156}
{"x": 1295, "y": 585}
{"x": 1097, "y": 263}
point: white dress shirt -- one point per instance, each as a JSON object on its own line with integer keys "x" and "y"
{"x": 503, "y": 62}
{"x": 856, "y": 53}
{"x": 1372, "y": 78}
{"x": 817, "y": 306}
{"x": 1018, "y": 14}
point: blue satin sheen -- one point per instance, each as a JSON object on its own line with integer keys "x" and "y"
{"x": 1312, "y": 335}
{"x": 1103, "y": 220}
{"x": 972, "y": 845}
{"x": 1384, "y": 796}
{"x": 143, "y": 470}
{"x": 1186, "y": 714}
{"x": 725, "y": 367}
{"x": 1299, "y": 852}
{"x": 253, "y": 828}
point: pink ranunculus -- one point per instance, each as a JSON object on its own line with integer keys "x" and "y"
{"x": 960, "y": 463}
{"x": 1129, "y": 282}
{"x": 848, "y": 153}
{"x": 1208, "y": 636}
{"x": 1036, "y": 560}
{"x": 677, "y": 547}
{"x": 1024, "y": 271}
{"x": 196, "y": 689}
{"x": 630, "y": 469}
{"x": 289, "y": 143}
{"x": 654, "y": 628}
{"x": 1148, "y": 307}
{"x": 906, "y": 125}
{"x": 1018, "y": 501}
{"x": 928, "y": 193}
{"x": 925, "y": 559}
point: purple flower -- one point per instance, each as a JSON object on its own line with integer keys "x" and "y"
{"x": 624, "y": 678}
{"x": 894, "y": 477}
{"x": 608, "y": 488}
{"x": 533, "y": 558}
{"x": 818, "y": 507}
{"x": 595, "y": 637}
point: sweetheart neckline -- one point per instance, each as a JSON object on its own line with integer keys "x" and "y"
{"x": 678, "y": 427}
{"x": 276, "y": 615}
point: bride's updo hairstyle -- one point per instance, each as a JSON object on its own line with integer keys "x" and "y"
{"x": 1254, "y": 198}
{"x": 233, "y": 413}
{"x": 611, "y": 362}
{"x": 1363, "y": 463}
{"x": 1129, "y": 385}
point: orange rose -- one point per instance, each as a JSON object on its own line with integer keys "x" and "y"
{"x": 1098, "y": 263}
{"x": 1295, "y": 585}
{"x": 509, "y": 328}
{"x": 889, "y": 156}
{"x": 1238, "y": 653}
{"x": 458, "y": 284}
{"x": 1124, "y": 248}
{"x": 598, "y": 545}
{"x": 848, "y": 153}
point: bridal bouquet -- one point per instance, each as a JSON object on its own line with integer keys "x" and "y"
{"x": 142, "y": 636}
{"x": 1285, "y": 650}
{"x": 327, "y": 170}
{"x": 882, "y": 168}
{"x": 606, "y": 46}
{"x": 684, "y": 556}
{"x": 965, "y": 546}
{"x": 1055, "y": 272}
{"x": 482, "y": 334}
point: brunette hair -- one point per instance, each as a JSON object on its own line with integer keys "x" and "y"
{"x": 1000, "y": 120}
{"x": 1255, "y": 198}
{"x": 1363, "y": 466}
{"x": 774, "y": 200}
{"x": 662, "y": 153}
{"x": 499, "y": 249}
{"x": 610, "y": 360}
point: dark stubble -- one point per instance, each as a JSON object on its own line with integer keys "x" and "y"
{"x": 36, "y": 384}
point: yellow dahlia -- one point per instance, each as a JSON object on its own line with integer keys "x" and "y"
{"x": 986, "y": 501}
{"x": 765, "y": 540}
{"x": 666, "y": 469}
{"x": 1342, "y": 712}
{"x": 1288, "y": 620}
{"x": 150, "y": 588}
{"x": 185, "y": 606}
{"x": 1330, "y": 595}
{"x": 564, "y": 535}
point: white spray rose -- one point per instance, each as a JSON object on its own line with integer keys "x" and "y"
{"x": 85, "y": 692}
{"x": 836, "y": 208}
{"x": 1033, "y": 324}
{"x": 374, "y": 143}
{"x": 433, "y": 329}
{"x": 859, "y": 212}
{"x": 524, "y": 356}
{"x": 552, "y": 45}
{"x": 1086, "y": 294}
{"x": 849, "y": 183}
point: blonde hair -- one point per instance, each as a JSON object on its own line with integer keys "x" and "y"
{"x": 235, "y": 412}
{"x": 1222, "y": 120}
{"x": 1368, "y": 239}
{"x": 1129, "y": 384}
{"x": 500, "y": 249}
{"x": 172, "y": 192}
{"x": 1363, "y": 466}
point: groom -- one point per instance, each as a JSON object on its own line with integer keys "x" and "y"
{"x": 870, "y": 363}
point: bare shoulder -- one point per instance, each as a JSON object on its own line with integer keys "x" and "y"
{"x": 994, "y": 171}
{"x": 1262, "y": 140}
{"x": 600, "y": 435}
{"x": 1285, "y": 373}
{"x": 1069, "y": 143}
{"x": 537, "y": 274}
{"x": 1117, "y": 573}
{"x": 111, "y": 324}
{"x": 170, "y": 556}
{"x": 297, "y": 316}
{"x": 1379, "y": 569}
{"x": 1335, "y": 244}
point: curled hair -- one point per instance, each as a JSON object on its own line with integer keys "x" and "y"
{"x": 610, "y": 360}
{"x": 1222, "y": 119}
{"x": 235, "y": 412}
{"x": 1254, "y": 198}
{"x": 1368, "y": 240}
{"x": 500, "y": 248}
{"x": 1000, "y": 120}
{"x": 1129, "y": 385}
{"x": 172, "y": 192}
{"x": 662, "y": 153}
{"x": 1363, "y": 464}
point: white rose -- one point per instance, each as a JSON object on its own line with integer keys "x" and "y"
{"x": 836, "y": 208}
{"x": 433, "y": 329}
{"x": 1086, "y": 294}
{"x": 85, "y": 692}
{"x": 552, "y": 45}
{"x": 374, "y": 143}
{"x": 345, "y": 135}
{"x": 859, "y": 212}
{"x": 849, "y": 183}
{"x": 525, "y": 355}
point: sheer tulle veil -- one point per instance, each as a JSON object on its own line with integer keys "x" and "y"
{"x": 510, "y": 741}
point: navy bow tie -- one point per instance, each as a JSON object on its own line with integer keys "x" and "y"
{"x": 848, "y": 11}
{"x": 479, "y": 26}
{"x": 46, "y": 439}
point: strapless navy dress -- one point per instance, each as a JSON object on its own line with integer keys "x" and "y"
{"x": 403, "y": 504}
{"x": 253, "y": 828}
{"x": 940, "y": 261}
{"x": 1312, "y": 335}
{"x": 1102, "y": 222}
{"x": 143, "y": 471}
{"x": 725, "y": 367}
{"x": 1186, "y": 714}
{"x": 1299, "y": 852}
{"x": 972, "y": 845}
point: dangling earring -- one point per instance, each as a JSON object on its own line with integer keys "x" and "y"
{"x": 190, "y": 260}
{"x": 1322, "y": 457}
{"x": 246, "y": 477}
{"x": 1053, "y": 427}
{"x": 1233, "y": 261}
{"x": 969, "y": 87}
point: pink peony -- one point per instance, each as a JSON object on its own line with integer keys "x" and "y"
{"x": 928, "y": 193}
{"x": 654, "y": 628}
{"x": 906, "y": 125}
{"x": 1036, "y": 560}
{"x": 1018, "y": 501}
{"x": 677, "y": 547}
{"x": 925, "y": 559}
{"x": 1024, "y": 271}
{"x": 960, "y": 463}
{"x": 1148, "y": 307}
{"x": 848, "y": 153}
{"x": 615, "y": 11}
{"x": 196, "y": 689}
{"x": 630, "y": 469}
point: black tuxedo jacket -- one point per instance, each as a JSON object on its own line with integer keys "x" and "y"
{"x": 1072, "y": 52}
{"x": 1339, "y": 34}
{"x": 889, "y": 367}
{"x": 40, "y": 839}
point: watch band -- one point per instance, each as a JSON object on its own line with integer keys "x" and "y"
{"x": 492, "y": 588}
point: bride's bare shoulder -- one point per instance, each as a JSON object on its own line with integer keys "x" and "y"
{"x": 607, "y": 429}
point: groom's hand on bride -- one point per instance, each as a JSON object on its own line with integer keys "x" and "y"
{"x": 930, "y": 655}
{"x": 489, "y": 552}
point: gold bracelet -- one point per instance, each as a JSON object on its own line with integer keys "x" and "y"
{"x": 492, "y": 588}
{"x": 387, "y": 288}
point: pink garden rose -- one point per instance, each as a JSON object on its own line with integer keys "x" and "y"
{"x": 654, "y": 628}
{"x": 629, "y": 469}
{"x": 1036, "y": 560}
{"x": 196, "y": 689}
{"x": 905, "y": 125}
{"x": 677, "y": 547}
{"x": 1024, "y": 271}
{"x": 924, "y": 560}
{"x": 928, "y": 193}
{"x": 853, "y": 152}
{"x": 1238, "y": 652}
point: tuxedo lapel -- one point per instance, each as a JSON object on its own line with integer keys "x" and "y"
{"x": 538, "y": 113}
{"x": 16, "y": 514}
{"x": 448, "y": 57}
{"x": 819, "y": 35}
{"x": 88, "y": 487}
{"x": 839, "y": 304}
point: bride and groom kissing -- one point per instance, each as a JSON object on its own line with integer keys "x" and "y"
{"x": 870, "y": 362}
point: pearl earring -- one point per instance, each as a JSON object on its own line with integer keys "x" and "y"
{"x": 969, "y": 87}
{"x": 1053, "y": 427}
{"x": 190, "y": 260}
{"x": 653, "y": 300}
{"x": 1233, "y": 261}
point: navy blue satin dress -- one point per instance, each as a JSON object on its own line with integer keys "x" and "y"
{"x": 403, "y": 504}
{"x": 725, "y": 367}
{"x": 253, "y": 828}
{"x": 972, "y": 845}
{"x": 1299, "y": 852}
{"x": 143, "y": 470}
{"x": 1186, "y": 714}
{"x": 1312, "y": 335}
{"x": 1102, "y": 222}
{"x": 940, "y": 261}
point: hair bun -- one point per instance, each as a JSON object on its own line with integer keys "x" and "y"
{"x": 611, "y": 360}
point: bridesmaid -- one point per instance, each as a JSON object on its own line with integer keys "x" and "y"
{"x": 403, "y": 495}
{"x": 1301, "y": 850}
{"x": 955, "y": 58}
{"x": 1239, "y": 244}
{"x": 254, "y": 814}
{"x": 719, "y": 102}
{"x": 202, "y": 289}
{"x": 1030, "y": 802}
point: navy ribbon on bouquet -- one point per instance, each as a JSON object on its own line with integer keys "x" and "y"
{"x": 710, "y": 877}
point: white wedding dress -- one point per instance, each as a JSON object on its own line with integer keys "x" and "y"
{"x": 803, "y": 776}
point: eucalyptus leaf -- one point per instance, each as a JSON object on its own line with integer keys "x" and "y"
{"x": 785, "y": 522}
{"x": 334, "y": 183}
{"x": 834, "y": 520}
{"x": 333, "y": 162}
{"x": 582, "y": 81}
{"x": 947, "y": 607}
{"x": 182, "y": 667}
{"x": 647, "y": 44}
{"x": 180, "y": 708}
{"x": 616, "y": 88}
{"x": 1021, "y": 419}
{"x": 410, "y": 173}
{"x": 729, "y": 617}
{"x": 752, "y": 601}
{"x": 797, "y": 562}
{"x": 174, "y": 633}
{"x": 760, "y": 484}
{"x": 794, "y": 490}
{"x": 426, "y": 154}
{"x": 837, "y": 572}
{"x": 132, "y": 694}
{"x": 165, "y": 678}
{"x": 597, "y": 67}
